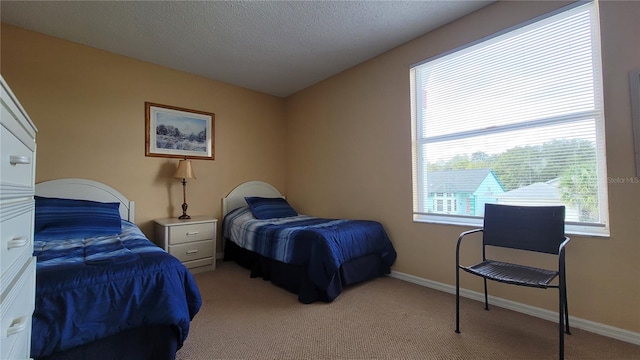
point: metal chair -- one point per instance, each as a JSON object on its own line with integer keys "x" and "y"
{"x": 532, "y": 228}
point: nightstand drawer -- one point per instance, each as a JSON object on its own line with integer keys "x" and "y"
{"x": 190, "y": 232}
{"x": 193, "y": 250}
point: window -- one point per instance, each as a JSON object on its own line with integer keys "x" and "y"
{"x": 516, "y": 119}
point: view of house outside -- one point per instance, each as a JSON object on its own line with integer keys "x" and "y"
{"x": 560, "y": 172}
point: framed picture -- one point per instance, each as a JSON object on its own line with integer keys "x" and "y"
{"x": 175, "y": 132}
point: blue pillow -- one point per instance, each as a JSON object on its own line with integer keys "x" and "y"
{"x": 59, "y": 219}
{"x": 270, "y": 208}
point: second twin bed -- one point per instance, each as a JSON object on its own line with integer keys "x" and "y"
{"x": 315, "y": 258}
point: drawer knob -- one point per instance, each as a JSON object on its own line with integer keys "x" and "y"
{"x": 192, "y": 233}
{"x": 17, "y": 242}
{"x": 17, "y": 159}
{"x": 191, "y": 252}
{"x": 17, "y": 325}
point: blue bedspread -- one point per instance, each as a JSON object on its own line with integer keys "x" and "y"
{"x": 323, "y": 245}
{"x": 87, "y": 289}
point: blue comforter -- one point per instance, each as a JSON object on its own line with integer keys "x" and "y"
{"x": 87, "y": 289}
{"x": 323, "y": 245}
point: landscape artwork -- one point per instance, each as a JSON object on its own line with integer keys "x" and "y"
{"x": 178, "y": 133}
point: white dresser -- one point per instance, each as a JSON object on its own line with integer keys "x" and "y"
{"x": 17, "y": 263}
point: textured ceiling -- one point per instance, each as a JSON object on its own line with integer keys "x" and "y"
{"x": 276, "y": 47}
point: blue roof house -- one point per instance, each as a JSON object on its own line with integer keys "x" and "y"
{"x": 461, "y": 192}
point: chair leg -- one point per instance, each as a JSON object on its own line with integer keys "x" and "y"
{"x": 486, "y": 297}
{"x": 561, "y": 311}
{"x": 457, "y": 299}
{"x": 566, "y": 311}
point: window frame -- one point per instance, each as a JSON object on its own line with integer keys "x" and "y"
{"x": 599, "y": 229}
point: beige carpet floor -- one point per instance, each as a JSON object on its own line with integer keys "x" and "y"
{"x": 244, "y": 318}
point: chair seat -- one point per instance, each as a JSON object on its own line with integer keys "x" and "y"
{"x": 513, "y": 273}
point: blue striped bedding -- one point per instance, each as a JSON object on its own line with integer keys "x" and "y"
{"x": 323, "y": 245}
{"x": 88, "y": 289}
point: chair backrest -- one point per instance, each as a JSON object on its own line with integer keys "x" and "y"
{"x": 534, "y": 228}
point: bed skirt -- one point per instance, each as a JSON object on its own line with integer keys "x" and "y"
{"x": 157, "y": 342}
{"x": 293, "y": 278}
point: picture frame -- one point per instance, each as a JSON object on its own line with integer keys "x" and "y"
{"x": 175, "y": 132}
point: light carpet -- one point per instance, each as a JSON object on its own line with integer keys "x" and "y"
{"x": 386, "y": 318}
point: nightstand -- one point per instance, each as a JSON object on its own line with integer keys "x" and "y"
{"x": 192, "y": 241}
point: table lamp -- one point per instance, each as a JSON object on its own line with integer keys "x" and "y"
{"x": 184, "y": 172}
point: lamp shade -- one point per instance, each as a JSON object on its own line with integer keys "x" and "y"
{"x": 184, "y": 170}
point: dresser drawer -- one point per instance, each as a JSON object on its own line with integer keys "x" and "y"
{"x": 16, "y": 310}
{"x": 193, "y": 250}
{"x": 16, "y": 239}
{"x": 190, "y": 232}
{"x": 17, "y": 162}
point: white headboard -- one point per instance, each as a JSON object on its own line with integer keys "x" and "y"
{"x": 83, "y": 189}
{"x": 235, "y": 199}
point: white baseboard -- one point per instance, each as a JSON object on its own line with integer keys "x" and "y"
{"x": 591, "y": 326}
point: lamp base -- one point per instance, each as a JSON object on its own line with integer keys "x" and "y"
{"x": 184, "y": 215}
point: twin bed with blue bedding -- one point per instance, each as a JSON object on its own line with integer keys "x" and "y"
{"x": 103, "y": 290}
{"x": 315, "y": 258}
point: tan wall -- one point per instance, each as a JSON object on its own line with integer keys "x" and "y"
{"x": 347, "y": 144}
{"x": 88, "y": 106}
{"x": 349, "y": 154}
